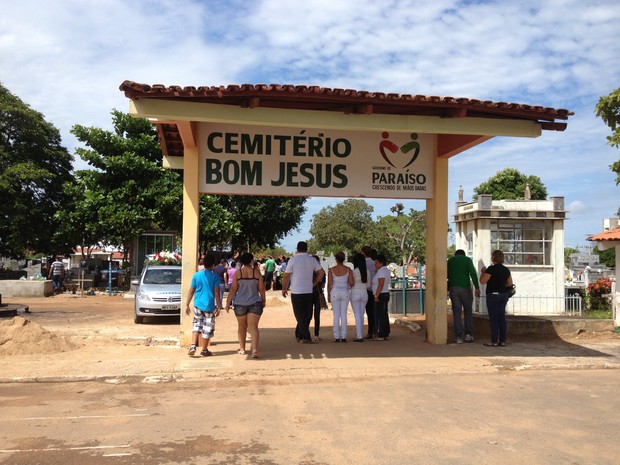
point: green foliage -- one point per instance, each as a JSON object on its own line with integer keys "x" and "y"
{"x": 509, "y": 184}
{"x": 127, "y": 192}
{"x": 33, "y": 168}
{"x": 406, "y": 234}
{"x": 606, "y": 257}
{"x": 451, "y": 250}
{"x": 262, "y": 220}
{"x": 598, "y": 314}
{"x": 345, "y": 226}
{"x": 348, "y": 226}
{"x": 247, "y": 223}
{"x": 274, "y": 252}
{"x": 608, "y": 109}
{"x": 568, "y": 251}
{"x": 217, "y": 224}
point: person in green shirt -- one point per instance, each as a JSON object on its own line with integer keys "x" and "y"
{"x": 461, "y": 274}
{"x": 270, "y": 267}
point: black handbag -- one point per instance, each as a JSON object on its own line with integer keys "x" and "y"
{"x": 512, "y": 290}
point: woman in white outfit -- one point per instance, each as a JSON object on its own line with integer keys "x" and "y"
{"x": 339, "y": 283}
{"x": 359, "y": 294}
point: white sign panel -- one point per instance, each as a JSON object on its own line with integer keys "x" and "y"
{"x": 265, "y": 160}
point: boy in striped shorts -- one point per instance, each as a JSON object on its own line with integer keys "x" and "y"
{"x": 205, "y": 289}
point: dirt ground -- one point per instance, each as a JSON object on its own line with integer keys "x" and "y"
{"x": 68, "y": 321}
{"x": 65, "y": 322}
{"x": 299, "y": 403}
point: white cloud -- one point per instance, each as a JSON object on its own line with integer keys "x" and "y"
{"x": 577, "y": 207}
{"x": 68, "y": 61}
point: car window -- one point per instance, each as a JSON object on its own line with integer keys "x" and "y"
{"x": 154, "y": 276}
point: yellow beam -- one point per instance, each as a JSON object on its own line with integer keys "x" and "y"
{"x": 191, "y": 213}
{"x": 168, "y": 110}
{"x": 435, "y": 306}
{"x": 187, "y": 130}
{"x": 449, "y": 145}
{"x": 175, "y": 163}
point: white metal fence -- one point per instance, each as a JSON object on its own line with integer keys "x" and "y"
{"x": 537, "y": 305}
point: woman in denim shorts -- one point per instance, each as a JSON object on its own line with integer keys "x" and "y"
{"x": 247, "y": 297}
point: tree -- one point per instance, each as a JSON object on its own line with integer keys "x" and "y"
{"x": 262, "y": 220}
{"x": 345, "y": 226}
{"x": 33, "y": 168}
{"x": 217, "y": 224}
{"x": 79, "y": 218}
{"x": 510, "y": 184}
{"x": 606, "y": 257}
{"x": 568, "y": 251}
{"x": 608, "y": 109}
{"x": 407, "y": 234}
{"x": 128, "y": 191}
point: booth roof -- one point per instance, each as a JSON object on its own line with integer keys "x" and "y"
{"x": 302, "y": 97}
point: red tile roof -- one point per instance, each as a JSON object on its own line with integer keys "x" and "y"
{"x": 609, "y": 235}
{"x": 342, "y": 100}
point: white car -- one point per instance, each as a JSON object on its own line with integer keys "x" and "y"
{"x": 158, "y": 292}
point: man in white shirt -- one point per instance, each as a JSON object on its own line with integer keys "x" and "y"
{"x": 303, "y": 272}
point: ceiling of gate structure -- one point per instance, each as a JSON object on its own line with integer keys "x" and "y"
{"x": 460, "y": 123}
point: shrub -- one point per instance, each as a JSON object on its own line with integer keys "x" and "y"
{"x": 598, "y": 292}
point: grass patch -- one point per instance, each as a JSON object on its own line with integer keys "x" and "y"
{"x": 598, "y": 314}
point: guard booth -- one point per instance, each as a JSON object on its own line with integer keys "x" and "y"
{"x": 315, "y": 141}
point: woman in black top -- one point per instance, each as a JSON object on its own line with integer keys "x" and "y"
{"x": 498, "y": 280}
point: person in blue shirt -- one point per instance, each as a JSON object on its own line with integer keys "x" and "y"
{"x": 205, "y": 290}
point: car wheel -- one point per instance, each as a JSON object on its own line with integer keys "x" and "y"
{"x": 138, "y": 319}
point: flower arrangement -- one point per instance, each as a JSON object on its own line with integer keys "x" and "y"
{"x": 164, "y": 258}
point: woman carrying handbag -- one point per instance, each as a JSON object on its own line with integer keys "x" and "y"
{"x": 498, "y": 280}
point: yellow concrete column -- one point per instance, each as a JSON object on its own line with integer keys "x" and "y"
{"x": 437, "y": 256}
{"x": 616, "y": 294}
{"x": 191, "y": 215}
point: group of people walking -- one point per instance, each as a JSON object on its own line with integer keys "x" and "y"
{"x": 365, "y": 286}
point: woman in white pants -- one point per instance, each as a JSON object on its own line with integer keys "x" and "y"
{"x": 359, "y": 294}
{"x": 339, "y": 282}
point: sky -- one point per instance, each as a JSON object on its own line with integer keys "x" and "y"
{"x": 67, "y": 62}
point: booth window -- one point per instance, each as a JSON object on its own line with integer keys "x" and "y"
{"x": 523, "y": 243}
